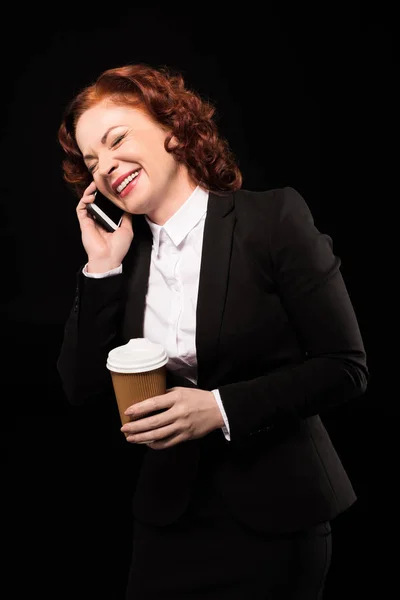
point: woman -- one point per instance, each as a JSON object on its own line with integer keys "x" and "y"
{"x": 239, "y": 479}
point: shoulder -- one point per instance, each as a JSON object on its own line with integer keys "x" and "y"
{"x": 278, "y": 200}
{"x": 278, "y": 229}
{"x": 277, "y": 219}
{"x": 273, "y": 210}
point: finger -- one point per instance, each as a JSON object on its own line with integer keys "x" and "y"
{"x": 88, "y": 195}
{"x": 150, "y": 405}
{"x": 84, "y": 201}
{"x": 81, "y": 208}
{"x": 140, "y": 425}
{"x": 91, "y": 189}
{"x": 126, "y": 220}
{"x": 85, "y": 218}
{"x": 166, "y": 443}
{"x": 149, "y": 437}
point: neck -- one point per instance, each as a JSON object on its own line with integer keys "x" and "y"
{"x": 177, "y": 194}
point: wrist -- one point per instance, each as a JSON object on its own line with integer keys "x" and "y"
{"x": 101, "y": 265}
{"x": 219, "y": 419}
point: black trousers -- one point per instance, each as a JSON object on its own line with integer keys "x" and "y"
{"x": 208, "y": 555}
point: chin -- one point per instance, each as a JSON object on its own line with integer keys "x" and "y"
{"x": 133, "y": 205}
{"x": 136, "y": 205}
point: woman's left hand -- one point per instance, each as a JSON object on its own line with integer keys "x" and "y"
{"x": 187, "y": 414}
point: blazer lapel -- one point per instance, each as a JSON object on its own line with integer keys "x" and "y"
{"x": 214, "y": 269}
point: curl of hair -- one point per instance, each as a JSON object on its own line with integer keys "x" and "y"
{"x": 182, "y": 112}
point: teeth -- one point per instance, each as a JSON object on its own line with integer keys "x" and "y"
{"x": 127, "y": 180}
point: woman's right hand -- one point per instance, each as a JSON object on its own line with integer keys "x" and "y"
{"x": 105, "y": 250}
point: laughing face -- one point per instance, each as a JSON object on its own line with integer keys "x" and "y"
{"x": 123, "y": 148}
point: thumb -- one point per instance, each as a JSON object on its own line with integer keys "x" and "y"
{"x": 126, "y": 219}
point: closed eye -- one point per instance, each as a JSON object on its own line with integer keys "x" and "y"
{"x": 118, "y": 140}
{"x": 114, "y": 144}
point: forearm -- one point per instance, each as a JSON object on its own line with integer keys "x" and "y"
{"x": 90, "y": 332}
{"x": 293, "y": 392}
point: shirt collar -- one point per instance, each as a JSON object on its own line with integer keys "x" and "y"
{"x": 183, "y": 221}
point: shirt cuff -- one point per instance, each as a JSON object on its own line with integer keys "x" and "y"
{"x": 225, "y": 428}
{"x": 115, "y": 271}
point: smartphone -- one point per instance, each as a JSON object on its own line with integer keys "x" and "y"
{"x": 105, "y": 212}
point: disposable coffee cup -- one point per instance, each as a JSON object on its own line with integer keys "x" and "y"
{"x": 138, "y": 372}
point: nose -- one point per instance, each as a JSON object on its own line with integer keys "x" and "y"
{"x": 106, "y": 165}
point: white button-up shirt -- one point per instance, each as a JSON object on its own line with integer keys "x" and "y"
{"x": 171, "y": 301}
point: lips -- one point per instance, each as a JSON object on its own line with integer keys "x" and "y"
{"x": 122, "y": 178}
{"x": 132, "y": 184}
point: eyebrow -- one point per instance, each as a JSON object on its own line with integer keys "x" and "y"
{"x": 103, "y": 140}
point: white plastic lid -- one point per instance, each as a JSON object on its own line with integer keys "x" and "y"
{"x": 138, "y": 355}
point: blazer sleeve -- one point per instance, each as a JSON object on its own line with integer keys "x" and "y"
{"x": 90, "y": 332}
{"x": 315, "y": 298}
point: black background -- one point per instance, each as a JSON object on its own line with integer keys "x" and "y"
{"x": 305, "y": 95}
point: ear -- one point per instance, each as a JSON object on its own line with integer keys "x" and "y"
{"x": 173, "y": 143}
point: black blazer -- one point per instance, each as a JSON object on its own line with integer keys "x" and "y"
{"x": 276, "y": 334}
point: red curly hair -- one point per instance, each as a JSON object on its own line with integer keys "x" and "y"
{"x": 182, "y": 112}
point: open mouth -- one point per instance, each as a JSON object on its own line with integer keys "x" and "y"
{"x": 128, "y": 184}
